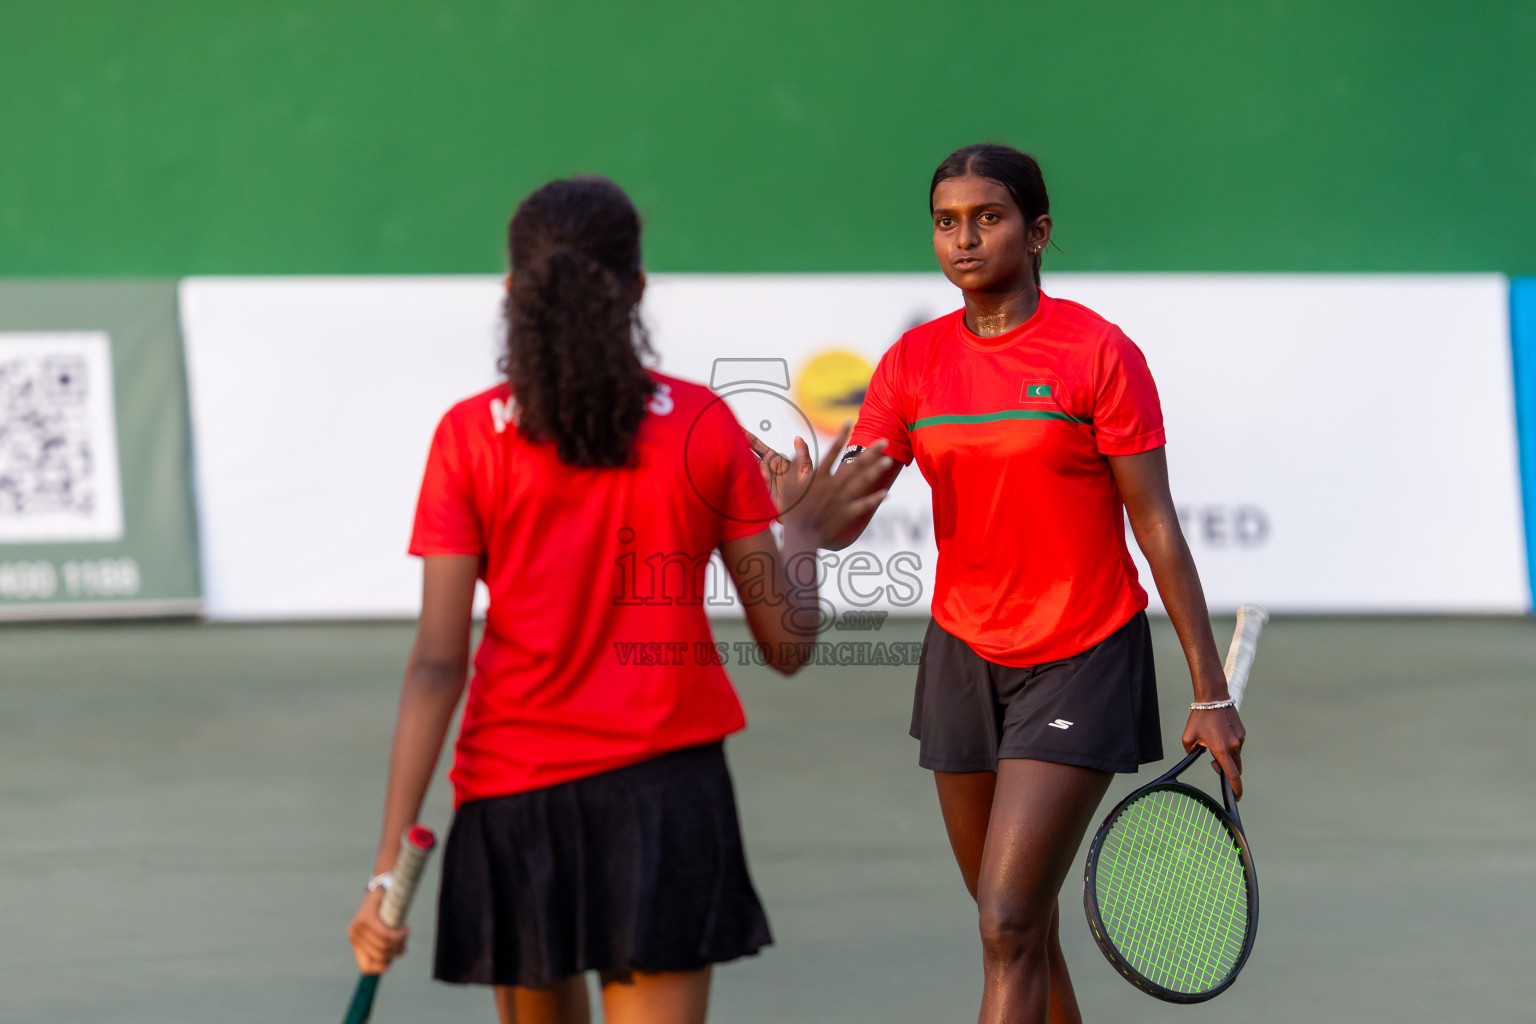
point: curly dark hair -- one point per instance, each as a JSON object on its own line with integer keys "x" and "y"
{"x": 1017, "y": 172}
{"x": 574, "y": 338}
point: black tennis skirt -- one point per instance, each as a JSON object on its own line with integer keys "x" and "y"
{"x": 636, "y": 869}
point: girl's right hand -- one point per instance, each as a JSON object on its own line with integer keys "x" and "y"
{"x": 823, "y": 502}
{"x": 374, "y": 943}
{"x": 787, "y": 478}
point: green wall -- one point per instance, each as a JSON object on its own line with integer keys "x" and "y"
{"x": 165, "y": 137}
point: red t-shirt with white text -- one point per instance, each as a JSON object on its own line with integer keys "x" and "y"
{"x": 1012, "y": 433}
{"x": 597, "y": 652}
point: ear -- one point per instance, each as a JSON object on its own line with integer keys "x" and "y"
{"x": 509, "y": 281}
{"x": 639, "y": 286}
{"x": 1038, "y": 235}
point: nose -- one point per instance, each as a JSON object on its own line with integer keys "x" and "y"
{"x": 969, "y": 236}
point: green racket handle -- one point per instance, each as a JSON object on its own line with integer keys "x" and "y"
{"x": 362, "y": 1000}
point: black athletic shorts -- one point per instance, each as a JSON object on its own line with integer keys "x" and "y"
{"x": 1097, "y": 709}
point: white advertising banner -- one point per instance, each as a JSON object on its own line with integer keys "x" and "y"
{"x": 1336, "y": 443}
{"x": 313, "y": 405}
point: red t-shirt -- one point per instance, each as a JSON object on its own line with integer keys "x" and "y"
{"x": 597, "y": 652}
{"x": 1012, "y": 434}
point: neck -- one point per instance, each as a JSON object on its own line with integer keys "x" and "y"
{"x": 988, "y": 314}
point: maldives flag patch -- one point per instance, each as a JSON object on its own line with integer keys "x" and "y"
{"x": 1041, "y": 391}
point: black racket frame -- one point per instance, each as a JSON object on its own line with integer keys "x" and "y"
{"x": 1230, "y": 820}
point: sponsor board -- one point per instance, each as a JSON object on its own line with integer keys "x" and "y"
{"x": 1336, "y": 443}
{"x": 313, "y": 403}
{"x": 95, "y": 498}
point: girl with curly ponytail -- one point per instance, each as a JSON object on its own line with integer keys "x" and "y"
{"x": 595, "y": 826}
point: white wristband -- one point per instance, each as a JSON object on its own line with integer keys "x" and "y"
{"x": 383, "y": 881}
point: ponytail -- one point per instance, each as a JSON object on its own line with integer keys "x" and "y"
{"x": 574, "y": 338}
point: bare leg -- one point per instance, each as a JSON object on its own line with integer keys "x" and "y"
{"x": 564, "y": 1003}
{"x": 1014, "y": 832}
{"x": 1063, "y": 999}
{"x": 1040, "y": 812}
{"x": 680, "y": 997}
{"x": 965, "y": 799}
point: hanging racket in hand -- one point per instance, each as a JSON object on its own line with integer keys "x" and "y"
{"x": 1170, "y": 890}
{"x": 415, "y": 846}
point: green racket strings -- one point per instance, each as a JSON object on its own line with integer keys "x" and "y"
{"x": 1171, "y": 892}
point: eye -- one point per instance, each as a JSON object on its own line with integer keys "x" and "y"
{"x": 945, "y": 222}
{"x": 989, "y": 218}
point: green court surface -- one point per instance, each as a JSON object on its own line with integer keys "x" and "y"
{"x": 188, "y": 813}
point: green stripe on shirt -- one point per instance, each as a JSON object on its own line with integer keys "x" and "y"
{"x": 993, "y": 417}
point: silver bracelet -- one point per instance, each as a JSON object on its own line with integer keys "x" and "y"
{"x": 383, "y": 880}
{"x": 1212, "y": 705}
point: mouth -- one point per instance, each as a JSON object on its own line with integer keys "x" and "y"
{"x": 966, "y": 263}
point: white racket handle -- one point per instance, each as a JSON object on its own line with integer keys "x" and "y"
{"x": 1245, "y": 643}
{"x": 415, "y": 846}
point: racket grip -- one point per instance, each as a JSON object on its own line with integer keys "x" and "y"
{"x": 1245, "y": 643}
{"x": 415, "y": 846}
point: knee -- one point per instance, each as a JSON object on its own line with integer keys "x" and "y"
{"x": 1012, "y": 933}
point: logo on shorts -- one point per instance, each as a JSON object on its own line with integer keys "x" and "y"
{"x": 1060, "y": 723}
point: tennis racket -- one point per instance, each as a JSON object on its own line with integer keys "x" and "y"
{"x": 1170, "y": 890}
{"x": 415, "y": 846}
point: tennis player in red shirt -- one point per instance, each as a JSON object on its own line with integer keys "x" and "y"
{"x": 1037, "y": 424}
{"x": 595, "y": 826}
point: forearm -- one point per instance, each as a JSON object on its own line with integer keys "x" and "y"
{"x": 1178, "y": 583}
{"x": 850, "y": 533}
{"x": 427, "y": 699}
{"x": 802, "y": 597}
{"x": 785, "y": 611}
{"x": 783, "y": 614}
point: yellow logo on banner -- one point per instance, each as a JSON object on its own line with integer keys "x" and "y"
{"x": 830, "y": 388}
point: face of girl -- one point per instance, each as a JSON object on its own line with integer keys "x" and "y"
{"x": 980, "y": 237}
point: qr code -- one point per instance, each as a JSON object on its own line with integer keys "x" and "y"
{"x": 59, "y": 478}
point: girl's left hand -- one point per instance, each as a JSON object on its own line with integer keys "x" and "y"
{"x": 374, "y": 943}
{"x": 1221, "y": 732}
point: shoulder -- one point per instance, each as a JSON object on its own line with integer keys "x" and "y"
{"x": 488, "y": 413}
{"x": 924, "y": 336}
{"x": 918, "y": 344}
{"x": 684, "y": 392}
{"x": 1108, "y": 342}
{"x": 676, "y": 400}
{"x": 1078, "y": 319}
{"x": 678, "y": 406}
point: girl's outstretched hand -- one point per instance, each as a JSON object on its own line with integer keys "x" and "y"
{"x": 787, "y": 478}
{"x": 818, "y": 501}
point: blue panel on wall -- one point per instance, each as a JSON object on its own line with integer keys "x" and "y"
{"x": 1522, "y": 322}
